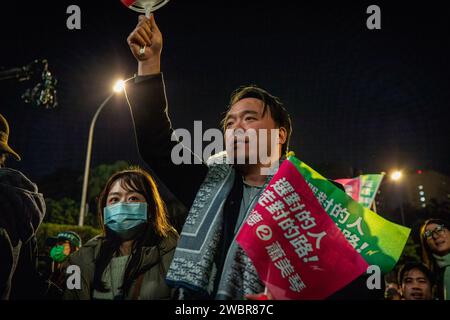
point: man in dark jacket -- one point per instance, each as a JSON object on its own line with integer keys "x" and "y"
{"x": 208, "y": 262}
{"x": 22, "y": 209}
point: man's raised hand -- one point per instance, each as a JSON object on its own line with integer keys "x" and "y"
{"x": 145, "y": 42}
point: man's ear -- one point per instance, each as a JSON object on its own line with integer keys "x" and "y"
{"x": 282, "y": 135}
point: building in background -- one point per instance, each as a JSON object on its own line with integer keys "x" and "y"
{"x": 418, "y": 195}
{"x": 425, "y": 185}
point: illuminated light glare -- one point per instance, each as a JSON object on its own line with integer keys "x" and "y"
{"x": 119, "y": 86}
{"x": 396, "y": 175}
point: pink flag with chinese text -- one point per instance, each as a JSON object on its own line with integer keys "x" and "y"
{"x": 351, "y": 187}
{"x": 295, "y": 246}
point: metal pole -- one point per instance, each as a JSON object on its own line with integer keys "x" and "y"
{"x": 402, "y": 212}
{"x": 374, "y": 206}
{"x": 88, "y": 160}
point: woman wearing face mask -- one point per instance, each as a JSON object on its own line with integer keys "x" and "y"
{"x": 435, "y": 241}
{"x": 131, "y": 258}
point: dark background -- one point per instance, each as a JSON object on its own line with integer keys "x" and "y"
{"x": 361, "y": 100}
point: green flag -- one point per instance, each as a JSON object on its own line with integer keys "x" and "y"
{"x": 379, "y": 241}
{"x": 369, "y": 184}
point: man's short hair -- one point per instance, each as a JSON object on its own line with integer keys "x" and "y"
{"x": 415, "y": 265}
{"x": 277, "y": 110}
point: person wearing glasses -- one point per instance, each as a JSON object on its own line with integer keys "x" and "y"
{"x": 435, "y": 241}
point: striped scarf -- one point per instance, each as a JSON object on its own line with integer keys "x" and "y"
{"x": 193, "y": 268}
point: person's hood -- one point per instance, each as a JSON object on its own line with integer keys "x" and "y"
{"x": 22, "y": 207}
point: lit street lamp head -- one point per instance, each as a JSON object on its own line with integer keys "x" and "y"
{"x": 396, "y": 175}
{"x": 119, "y": 86}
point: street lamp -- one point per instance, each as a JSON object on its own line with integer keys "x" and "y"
{"x": 118, "y": 87}
{"x": 396, "y": 176}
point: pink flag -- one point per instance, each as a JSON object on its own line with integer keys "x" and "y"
{"x": 297, "y": 249}
{"x": 128, "y": 3}
{"x": 351, "y": 187}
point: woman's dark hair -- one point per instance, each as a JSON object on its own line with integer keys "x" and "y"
{"x": 427, "y": 255}
{"x": 156, "y": 229}
{"x": 278, "y": 112}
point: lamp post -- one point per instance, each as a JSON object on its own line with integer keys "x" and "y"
{"x": 396, "y": 176}
{"x": 118, "y": 87}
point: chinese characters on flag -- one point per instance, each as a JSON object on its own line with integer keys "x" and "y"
{"x": 297, "y": 249}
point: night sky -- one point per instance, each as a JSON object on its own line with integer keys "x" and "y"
{"x": 371, "y": 100}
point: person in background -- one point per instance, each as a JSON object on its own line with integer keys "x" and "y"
{"x": 131, "y": 258}
{"x": 416, "y": 282}
{"x": 392, "y": 291}
{"x": 61, "y": 247}
{"x": 22, "y": 209}
{"x": 435, "y": 243}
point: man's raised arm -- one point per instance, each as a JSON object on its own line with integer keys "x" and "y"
{"x": 150, "y": 114}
